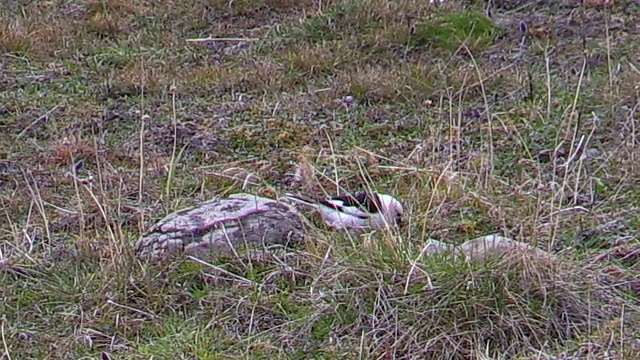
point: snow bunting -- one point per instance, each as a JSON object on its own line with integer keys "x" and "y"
{"x": 357, "y": 212}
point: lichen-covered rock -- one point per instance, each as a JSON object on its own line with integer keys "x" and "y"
{"x": 433, "y": 246}
{"x": 485, "y": 247}
{"x": 222, "y": 227}
{"x": 495, "y": 245}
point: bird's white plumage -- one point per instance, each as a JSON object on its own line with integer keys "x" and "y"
{"x": 357, "y": 213}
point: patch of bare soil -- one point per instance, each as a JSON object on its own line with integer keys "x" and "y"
{"x": 566, "y": 29}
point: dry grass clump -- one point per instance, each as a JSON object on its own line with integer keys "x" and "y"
{"x": 509, "y": 307}
{"x": 15, "y": 38}
{"x": 367, "y": 303}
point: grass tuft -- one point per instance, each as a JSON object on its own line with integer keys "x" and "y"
{"x": 449, "y": 30}
{"x": 15, "y": 39}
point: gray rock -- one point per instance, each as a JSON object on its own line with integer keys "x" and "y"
{"x": 433, "y": 246}
{"x": 495, "y": 245}
{"x": 223, "y": 227}
{"x": 484, "y": 247}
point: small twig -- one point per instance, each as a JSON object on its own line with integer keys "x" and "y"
{"x": 633, "y": 67}
{"x": 335, "y": 164}
{"x": 487, "y": 8}
{"x": 37, "y": 200}
{"x": 571, "y": 210}
{"x": 276, "y": 107}
{"x": 24, "y": 131}
{"x": 111, "y": 302}
{"x": 229, "y": 241}
{"x": 102, "y": 209}
{"x": 377, "y": 156}
{"x": 174, "y": 122}
{"x": 59, "y": 208}
{"x": 247, "y": 181}
{"x": 30, "y": 240}
{"x": 4, "y": 342}
{"x": 576, "y": 153}
{"x": 633, "y": 131}
{"x": 145, "y": 118}
{"x": 618, "y": 250}
{"x": 403, "y": 168}
{"x": 210, "y": 39}
{"x": 226, "y": 272}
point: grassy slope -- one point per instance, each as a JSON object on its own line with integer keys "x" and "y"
{"x": 471, "y": 137}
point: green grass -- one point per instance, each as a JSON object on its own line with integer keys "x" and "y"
{"x": 450, "y": 111}
{"x": 449, "y": 30}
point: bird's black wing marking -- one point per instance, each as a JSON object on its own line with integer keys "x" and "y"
{"x": 361, "y": 200}
{"x": 332, "y": 204}
{"x": 343, "y": 203}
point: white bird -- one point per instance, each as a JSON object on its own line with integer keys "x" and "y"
{"x": 356, "y": 212}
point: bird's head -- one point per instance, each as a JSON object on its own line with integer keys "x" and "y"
{"x": 391, "y": 208}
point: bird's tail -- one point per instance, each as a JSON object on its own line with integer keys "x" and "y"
{"x": 301, "y": 199}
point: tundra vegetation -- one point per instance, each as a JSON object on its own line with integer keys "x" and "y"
{"x": 511, "y": 117}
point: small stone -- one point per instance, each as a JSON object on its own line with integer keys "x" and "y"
{"x": 591, "y": 153}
